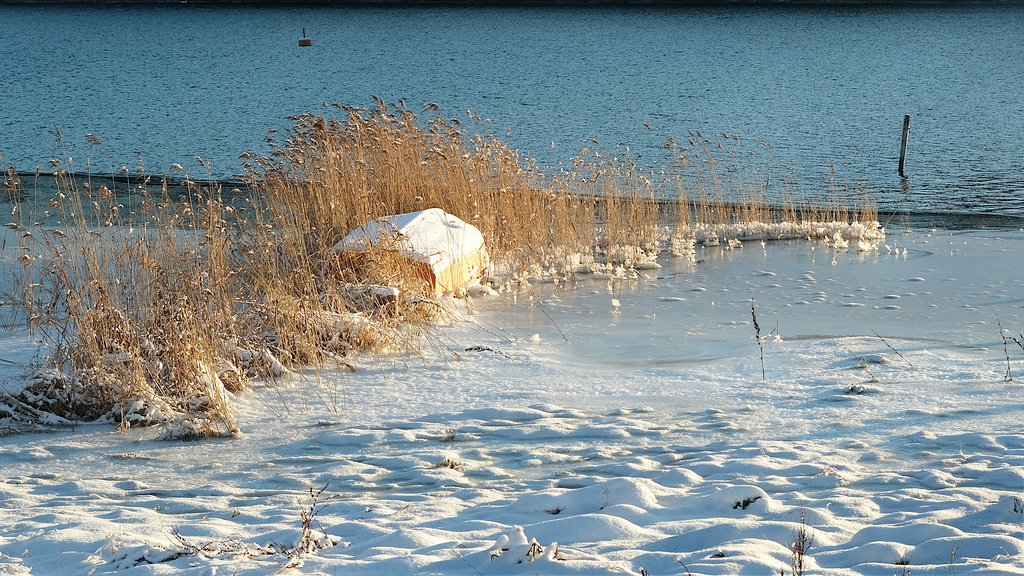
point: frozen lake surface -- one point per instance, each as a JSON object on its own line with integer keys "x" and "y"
{"x": 636, "y": 436}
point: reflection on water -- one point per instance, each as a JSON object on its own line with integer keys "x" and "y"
{"x": 823, "y": 86}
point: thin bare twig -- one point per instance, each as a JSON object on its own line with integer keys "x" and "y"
{"x": 552, "y": 322}
{"x": 757, "y": 334}
{"x": 1006, "y": 350}
{"x": 894, "y": 350}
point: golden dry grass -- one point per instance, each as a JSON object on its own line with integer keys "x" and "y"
{"x": 159, "y": 300}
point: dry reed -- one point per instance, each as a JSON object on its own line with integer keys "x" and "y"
{"x": 161, "y": 298}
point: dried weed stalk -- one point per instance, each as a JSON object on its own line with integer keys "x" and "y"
{"x": 757, "y": 335}
{"x": 1006, "y": 351}
{"x": 802, "y": 543}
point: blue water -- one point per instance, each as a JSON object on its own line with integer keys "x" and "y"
{"x": 823, "y": 86}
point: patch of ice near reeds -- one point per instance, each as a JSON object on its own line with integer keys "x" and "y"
{"x": 837, "y": 241}
{"x": 683, "y": 246}
{"x": 621, "y": 261}
{"x": 714, "y": 234}
{"x": 629, "y": 256}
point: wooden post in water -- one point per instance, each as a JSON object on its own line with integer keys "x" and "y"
{"x": 903, "y": 144}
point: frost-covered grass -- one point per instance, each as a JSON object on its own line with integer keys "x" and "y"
{"x": 561, "y": 434}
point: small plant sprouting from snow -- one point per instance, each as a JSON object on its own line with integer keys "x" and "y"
{"x": 312, "y": 537}
{"x": 760, "y": 340}
{"x": 903, "y": 566}
{"x": 1006, "y": 350}
{"x": 449, "y": 461}
{"x": 514, "y": 548}
{"x": 802, "y": 543}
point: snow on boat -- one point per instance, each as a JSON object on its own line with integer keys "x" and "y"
{"x": 443, "y": 250}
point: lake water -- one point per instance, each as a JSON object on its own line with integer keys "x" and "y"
{"x": 823, "y": 86}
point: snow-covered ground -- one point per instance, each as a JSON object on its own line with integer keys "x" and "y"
{"x": 622, "y": 425}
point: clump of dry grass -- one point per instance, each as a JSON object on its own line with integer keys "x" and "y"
{"x": 719, "y": 201}
{"x": 160, "y": 301}
{"x": 332, "y": 175}
{"x": 132, "y": 306}
{"x": 162, "y": 297}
